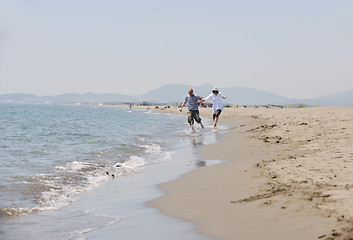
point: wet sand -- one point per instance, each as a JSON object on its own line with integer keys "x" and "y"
{"x": 288, "y": 176}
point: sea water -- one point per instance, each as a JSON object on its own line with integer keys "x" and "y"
{"x": 50, "y": 155}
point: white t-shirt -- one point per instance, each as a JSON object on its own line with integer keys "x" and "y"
{"x": 216, "y": 100}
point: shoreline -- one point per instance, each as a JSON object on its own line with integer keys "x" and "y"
{"x": 275, "y": 183}
{"x": 115, "y": 207}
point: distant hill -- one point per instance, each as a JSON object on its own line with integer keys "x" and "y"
{"x": 175, "y": 93}
{"x": 344, "y": 99}
{"x": 69, "y": 98}
{"x": 244, "y": 96}
{"x": 93, "y": 98}
{"x": 20, "y": 98}
{"x": 251, "y": 96}
{"x": 235, "y": 95}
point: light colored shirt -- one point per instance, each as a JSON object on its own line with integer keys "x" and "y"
{"x": 191, "y": 102}
{"x": 216, "y": 100}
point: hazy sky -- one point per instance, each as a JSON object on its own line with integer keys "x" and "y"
{"x": 301, "y": 48}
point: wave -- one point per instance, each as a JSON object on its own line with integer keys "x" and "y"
{"x": 65, "y": 183}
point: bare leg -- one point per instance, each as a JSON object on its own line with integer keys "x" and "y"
{"x": 192, "y": 127}
{"x": 202, "y": 125}
{"x": 215, "y": 118}
{"x": 215, "y": 123}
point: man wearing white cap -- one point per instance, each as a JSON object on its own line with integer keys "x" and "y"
{"x": 216, "y": 98}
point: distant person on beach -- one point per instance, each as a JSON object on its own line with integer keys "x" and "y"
{"x": 216, "y": 98}
{"x": 193, "y": 108}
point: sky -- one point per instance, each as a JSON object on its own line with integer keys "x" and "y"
{"x": 300, "y": 49}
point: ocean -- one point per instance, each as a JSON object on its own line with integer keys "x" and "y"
{"x": 53, "y": 155}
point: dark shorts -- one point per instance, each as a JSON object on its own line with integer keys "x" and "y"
{"x": 193, "y": 114}
{"x": 218, "y": 112}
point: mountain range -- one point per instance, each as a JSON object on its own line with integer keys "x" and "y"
{"x": 175, "y": 93}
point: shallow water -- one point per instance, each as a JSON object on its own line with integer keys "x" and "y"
{"x": 51, "y": 156}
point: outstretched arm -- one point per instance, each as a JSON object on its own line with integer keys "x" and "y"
{"x": 203, "y": 99}
{"x": 182, "y": 105}
{"x": 200, "y": 101}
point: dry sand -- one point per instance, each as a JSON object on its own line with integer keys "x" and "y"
{"x": 289, "y": 175}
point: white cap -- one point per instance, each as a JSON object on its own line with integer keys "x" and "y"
{"x": 215, "y": 89}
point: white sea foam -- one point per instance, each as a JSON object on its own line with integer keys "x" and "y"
{"x": 42, "y": 176}
{"x": 75, "y": 166}
{"x": 60, "y": 185}
{"x": 135, "y": 162}
{"x": 148, "y": 112}
{"x": 152, "y": 148}
{"x": 76, "y": 177}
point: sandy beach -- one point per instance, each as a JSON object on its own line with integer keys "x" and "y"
{"x": 288, "y": 175}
